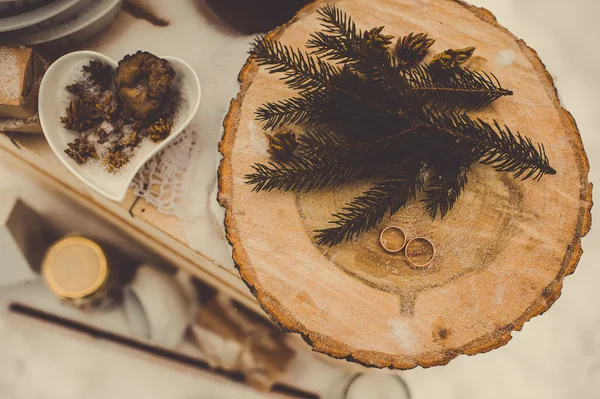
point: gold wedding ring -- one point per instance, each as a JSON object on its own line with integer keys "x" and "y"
{"x": 382, "y": 239}
{"x": 419, "y": 252}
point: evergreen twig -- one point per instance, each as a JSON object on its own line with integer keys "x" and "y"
{"x": 368, "y": 115}
{"x": 497, "y": 146}
{"x": 448, "y": 181}
{"x": 461, "y": 90}
{"x": 302, "y": 72}
{"x": 343, "y": 42}
{"x": 367, "y": 210}
{"x": 288, "y": 111}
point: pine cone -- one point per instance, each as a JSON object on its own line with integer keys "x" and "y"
{"x": 282, "y": 145}
{"x": 452, "y": 59}
{"x": 159, "y": 130}
{"x": 100, "y": 74}
{"x": 374, "y": 38}
{"x": 115, "y": 159}
{"x": 82, "y": 113}
{"x": 412, "y": 48}
{"x": 80, "y": 150}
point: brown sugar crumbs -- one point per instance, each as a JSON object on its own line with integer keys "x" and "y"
{"x": 112, "y": 111}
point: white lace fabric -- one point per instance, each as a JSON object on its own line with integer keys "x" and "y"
{"x": 177, "y": 182}
{"x": 165, "y": 180}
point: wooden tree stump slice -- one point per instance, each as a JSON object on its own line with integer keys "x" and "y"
{"x": 502, "y": 252}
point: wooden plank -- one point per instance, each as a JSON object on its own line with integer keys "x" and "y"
{"x": 148, "y": 227}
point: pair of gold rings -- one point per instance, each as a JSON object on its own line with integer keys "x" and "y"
{"x": 419, "y": 251}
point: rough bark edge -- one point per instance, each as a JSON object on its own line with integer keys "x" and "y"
{"x": 339, "y": 350}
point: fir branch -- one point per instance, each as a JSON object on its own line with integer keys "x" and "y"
{"x": 447, "y": 183}
{"x": 325, "y": 159}
{"x": 333, "y": 48}
{"x": 496, "y": 145}
{"x": 353, "y": 51}
{"x": 287, "y": 111}
{"x": 315, "y": 79}
{"x": 322, "y": 143}
{"x": 343, "y": 42}
{"x": 354, "y": 106}
{"x": 315, "y": 172}
{"x": 303, "y": 174}
{"x": 389, "y": 150}
{"x": 369, "y": 115}
{"x": 443, "y": 193}
{"x": 337, "y": 22}
{"x": 302, "y": 72}
{"x": 463, "y": 89}
{"x": 367, "y": 210}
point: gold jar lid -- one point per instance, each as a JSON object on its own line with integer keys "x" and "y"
{"x": 75, "y": 268}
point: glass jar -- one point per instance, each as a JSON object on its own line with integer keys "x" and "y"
{"x": 78, "y": 271}
{"x": 374, "y": 386}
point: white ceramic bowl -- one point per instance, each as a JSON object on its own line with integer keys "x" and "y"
{"x": 53, "y": 100}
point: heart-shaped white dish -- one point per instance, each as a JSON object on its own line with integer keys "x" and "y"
{"x": 54, "y": 99}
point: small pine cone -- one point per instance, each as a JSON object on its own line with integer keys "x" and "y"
{"x": 412, "y": 48}
{"x": 452, "y": 59}
{"x": 115, "y": 160}
{"x": 99, "y": 73}
{"x": 132, "y": 140}
{"x": 81, "y": 150}
{"x": 159, "y": 130}
{"x": 282, "y": 145}
{"x": 374, "y": 38}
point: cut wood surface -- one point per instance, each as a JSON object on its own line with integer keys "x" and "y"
{"x": 502, "y": 252}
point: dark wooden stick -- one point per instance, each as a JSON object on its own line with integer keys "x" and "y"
{"x": 177, "y": 357}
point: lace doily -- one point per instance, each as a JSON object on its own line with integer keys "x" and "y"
{"x": 179, "y": 182}
{"x": 165, "y": 179}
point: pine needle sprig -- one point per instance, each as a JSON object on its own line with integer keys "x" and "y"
{"x": 462, "y": 90}
{"x": 337, "y": 22}
{"x": 322, "y": 143}
{"x": 369, "y": 209}
{"x": 353, "y": 51}
{"x": 288, "y": 111}
{"x": 324, "y": 159}
{"x": 389, "y": 150}
{"x": 497, "y": 146}
{"x": 366, "y": 114}
{"x": 301, "y": 174}
{"x": 333, "y": 48}
{"x": 343, "y": 42}
{"x": 312, "y": 173}
{"x": 448, "y": 180}
{"x": 315, "y": 79}
{"x": 302, "y": 72}
{"x": 443, "y": 193}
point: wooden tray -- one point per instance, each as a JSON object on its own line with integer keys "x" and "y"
{"x": 503, "y": 251}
